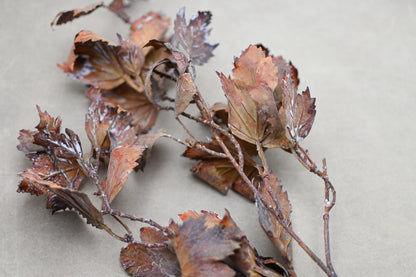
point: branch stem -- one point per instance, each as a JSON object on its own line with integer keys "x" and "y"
{"x": 303, "y": 157}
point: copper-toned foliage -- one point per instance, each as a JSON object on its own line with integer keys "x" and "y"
{"x": 103, "y": 64}
{"x": 149, "y": 26}
{"x": 117, "y": 7}
{"x": 123, "y": 160}
{"x": 193, "y": 36}
{"x": 253, "y": 112}
{"x": 185, "y": 94}
{"x": 219, "y": 172}
{"x": 66, "y": 16}
{"x": 139, "y": 260}
{"x": 297, "y": 111}
{"x": 143, "y": 112}
{"x": 108, "y": 127}
{"x": 272, "y": 192}
{"x": 71, "y": 198}
{"x": 54, "y": 156}
{"x": 203, "y": 245}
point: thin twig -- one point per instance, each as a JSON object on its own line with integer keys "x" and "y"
{"x": 123, "y": 239}
{"x": 140, "y": 219}
{"x": 186, "y": 130}
{"x": 122, "y": 224}
{"x": 197, "y": 145}
{"x": 303, "y": 157}
{"x": 263, "y": 159}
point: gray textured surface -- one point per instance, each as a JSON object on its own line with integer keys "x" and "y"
{"x": 358, "y": 59}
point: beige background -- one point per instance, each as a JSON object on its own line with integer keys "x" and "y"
{"x": 357, "y": 57}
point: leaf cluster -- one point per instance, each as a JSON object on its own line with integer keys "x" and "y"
{"x": 127, "y": 83}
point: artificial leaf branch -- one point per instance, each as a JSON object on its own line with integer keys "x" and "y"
{"x": 127, "y": 86}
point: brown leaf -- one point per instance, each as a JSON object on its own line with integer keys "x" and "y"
{"x": 174, "y": 55}
{"x": 253, "y": 68}
{"x": 252, "y": 108}
{"x": 105, "y": 124}
{"x": 122, "y": 162}
{"x": 139, "y": 260}
{"x": 103, "y": 64}
{"x": 66, "y": 16}
{"x": 118, "y": 6}
{"x": 252, "y": 114}
{"x": 99, "y": 118}
{"x": 48, "y": 124}
{"x": 219, "y": 172}
{"x": 26, "y": 144}
{"x": 71, "y": 198}
{"x": 220, "y": 113}
{"x": 152, "y": 235}
{"x": 125, "y": 158}
{"x": 286, "y": 68}
{"x": 297, "y": 111}
{"x": 149, "y": 26}
{"x": 250, "y": 264}
{"x": 271, "y": 191}
{"x": 54, "y": 156}
{"x": 143, "y": 112}
{"x": 185, "y": 94}
{"x": 193, "y": 36}
{"x": 201, "y": 246}
{"x": 147, "y": 140}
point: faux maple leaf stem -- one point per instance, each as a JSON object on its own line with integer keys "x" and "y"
{"x": 198, "y": 146}
{"x": 311, "y": 254}
{"x": 94, "y": 175}
{"x": 123, "y": 224}
{"x": 114, "y": 235}
{"x": 263, "y": 158}
{"x": 303, "y": 157}
{"x": 140, "y": 219}
{"x": 187, "y": 130}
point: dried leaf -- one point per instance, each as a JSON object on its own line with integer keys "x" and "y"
{"x": 201, "y": 246}
{"x": 193, "y": 36}
{"x": 219, "y": 172}
{"x": 297, "y": 111}
{"x": 254, "y": 68}
{"x": 152, "y": 235}
{"x": 99, "y": 118}
{"x": 118, "y": 6}
{"x": 185, "y": 94}
{"x": 66, "y": 16}
{"x": 139, "y": 260}
{"x": 26, "y": 144}
{"x": 72, "y": 199}
{"x": 149, "y": 26}
{"x": 220, "y": 113}
{"x": 147, "y": 140}
{"x": 250, "y": 264}
{"x": 122, "y": 162}
{"x": 143, "y": 112}
{"x": 174, "y": 54}
{"x": 55, "y": 159}
{"x": 274, "y": 196}
{"x": 252, "y": 108}
{"x": 103, "y": 64}
{"x": 108, "y": 127}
